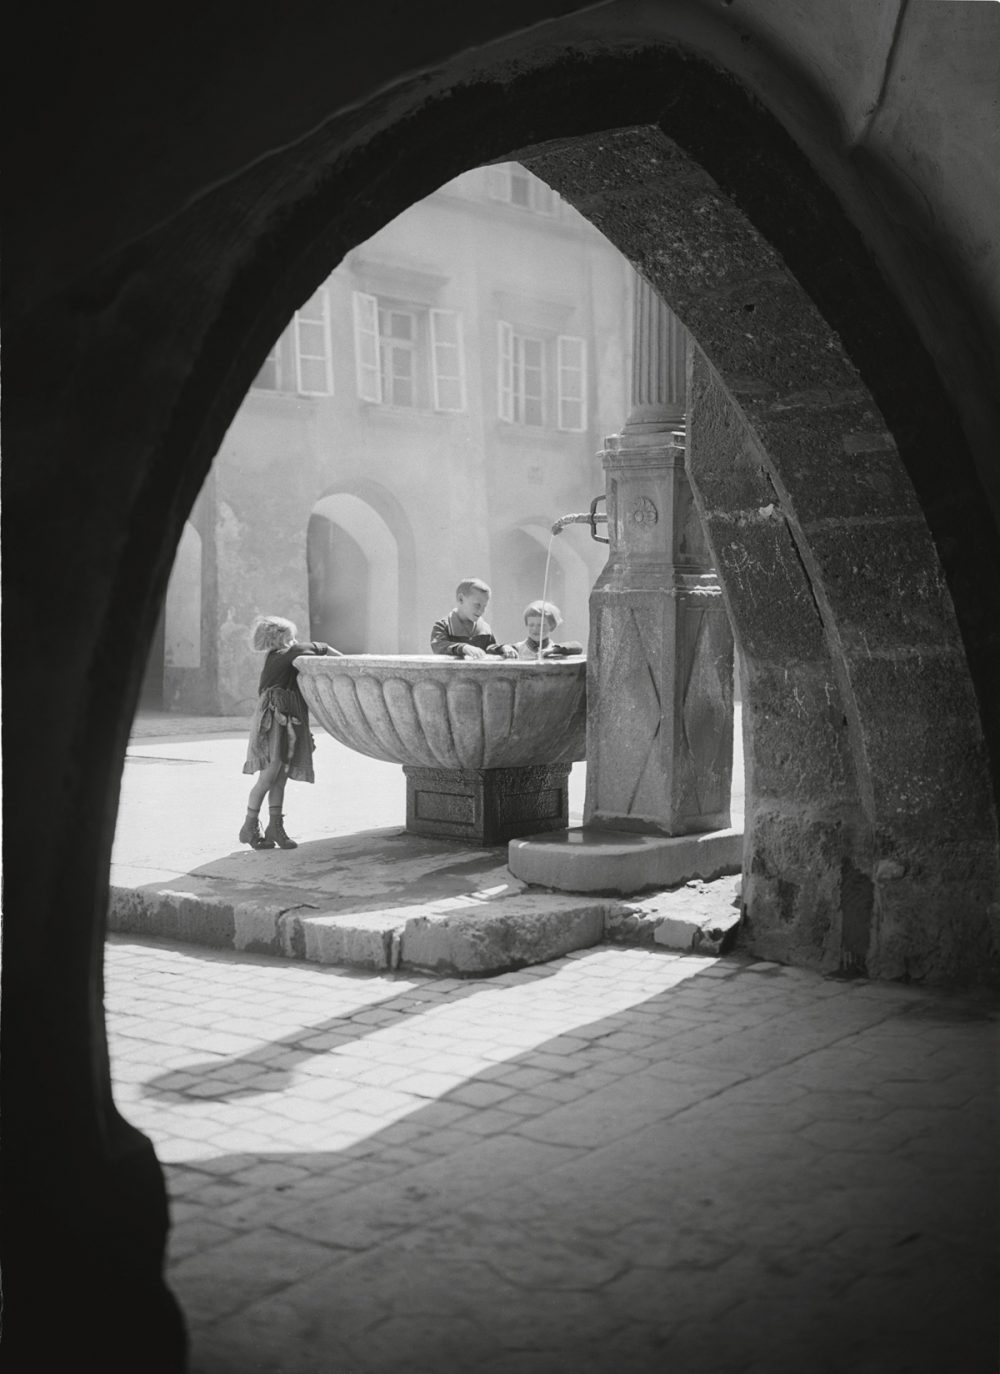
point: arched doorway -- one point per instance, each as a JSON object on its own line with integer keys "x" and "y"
{"x": 353, "y": 566}
{"x": 361, "y": 560}
{"x": 522, "y": 553}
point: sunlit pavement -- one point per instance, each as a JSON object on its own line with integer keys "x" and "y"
{"x": 358, "y": 891}
{"x": 624, "y": 1160}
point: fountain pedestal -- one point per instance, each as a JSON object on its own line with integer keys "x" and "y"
{"x": 486, "y": 745}
{"x": 486, "y": 806}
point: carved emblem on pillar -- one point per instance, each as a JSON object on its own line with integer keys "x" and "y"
{"x": 644, "y": 512}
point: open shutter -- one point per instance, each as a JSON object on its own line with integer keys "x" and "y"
{"x": 571, "y": 370}
{"x": 505, "y": 371}
{"x": 366, "y": 347}
{"x": 448, "y": 360}
{"x": 313, "y": 354}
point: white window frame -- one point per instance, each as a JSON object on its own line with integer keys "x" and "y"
{"x": 301, "y": 356}
{"x": 389, "y": 344}
{"x": 521, "y": 396}
{"x": 444, "y": 350}
{"x": 367, "y": 347}
{"x": 511, "y": 370}
{"x": 565, "y": 370}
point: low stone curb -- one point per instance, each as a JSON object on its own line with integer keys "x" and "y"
{"x": 490, "y": 940}
{"x": 530, "y": 928}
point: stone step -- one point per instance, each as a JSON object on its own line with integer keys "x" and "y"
{"x": 497, "y": 926}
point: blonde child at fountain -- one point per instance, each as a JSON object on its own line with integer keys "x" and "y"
{"x": 542, "y": 619}
{"x": 281, "y": 746}
{"x": 463, "y": 633}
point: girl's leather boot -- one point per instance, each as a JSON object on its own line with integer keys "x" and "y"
{"x": 275, "y": 833}
{"x": 250, "y": 833}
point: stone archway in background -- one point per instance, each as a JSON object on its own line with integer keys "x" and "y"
{"x": 374, "y": 520}
{"x": 521, "y": 551}
{"x": 353, "y": 569}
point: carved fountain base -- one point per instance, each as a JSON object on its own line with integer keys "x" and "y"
{"x": 486, "y": 806}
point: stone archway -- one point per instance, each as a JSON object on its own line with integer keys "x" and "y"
{"x": 353, "y": 567}
{"x": 831, "y": 372}
{"x": 522, "y": 551}
{"x": 902, "y": 862}
{"x": 858, "y": 845}
{"x": 133, "y": 334}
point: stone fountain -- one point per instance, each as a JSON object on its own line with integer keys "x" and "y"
{"x": 486, "y": 744}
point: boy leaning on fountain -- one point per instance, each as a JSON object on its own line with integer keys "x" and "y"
{"x": 463, "y": 633}
{"x": 541, "y": 619}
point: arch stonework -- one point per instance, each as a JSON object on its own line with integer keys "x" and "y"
{"x": 159, "y": 245}
{"x": 863, "y": 851}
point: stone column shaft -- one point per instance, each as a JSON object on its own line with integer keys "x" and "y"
{"x": 659, "y": 684}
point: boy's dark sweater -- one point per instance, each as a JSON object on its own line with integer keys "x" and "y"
{"x": 448, "y": 635}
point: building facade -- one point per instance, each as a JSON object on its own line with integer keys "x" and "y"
{"x": 426, "y": 415}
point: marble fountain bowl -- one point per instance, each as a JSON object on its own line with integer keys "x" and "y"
{"x": 432, "y": 711}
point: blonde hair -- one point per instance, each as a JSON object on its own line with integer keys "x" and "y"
{"x": 548, "y": 610}
{"x": 271, "y": 632}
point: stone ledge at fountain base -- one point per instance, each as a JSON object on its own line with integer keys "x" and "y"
{"x": 491, "y": 938}
{"x": 386, "y": 901}
{"x": 618, "y": 863}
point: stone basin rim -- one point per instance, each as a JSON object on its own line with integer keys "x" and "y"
{"x": 444, "y": 661}
{"x": 437, "y": 712}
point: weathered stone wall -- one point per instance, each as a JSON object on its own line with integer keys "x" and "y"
{"x": 808, "y": 840}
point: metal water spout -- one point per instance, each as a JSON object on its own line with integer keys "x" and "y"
{"x": 593, "y": 517}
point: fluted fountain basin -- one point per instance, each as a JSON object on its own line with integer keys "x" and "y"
{"x": 433, "y": 711}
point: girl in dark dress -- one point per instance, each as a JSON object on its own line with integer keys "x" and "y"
{"x": 281, "y": 746}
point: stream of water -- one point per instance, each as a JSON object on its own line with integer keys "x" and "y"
{"x": 545, "y": 597}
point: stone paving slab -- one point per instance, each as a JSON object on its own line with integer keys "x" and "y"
{"x": 623, "y": 1160}
{"x": 358, "y": 892}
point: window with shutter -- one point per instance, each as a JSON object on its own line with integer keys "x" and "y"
{"x": 366, "y": 348}
{"x": 571, "y": 380}
{"x": 313, "y": 353}
{"x": 447, "y": 356}
{"x": 521, "y": 389}
{"x": 398, "y": 356}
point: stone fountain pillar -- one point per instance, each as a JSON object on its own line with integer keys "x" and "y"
{"x": 660, "y": 659}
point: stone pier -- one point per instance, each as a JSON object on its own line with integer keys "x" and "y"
{"x": 660, "y": 660}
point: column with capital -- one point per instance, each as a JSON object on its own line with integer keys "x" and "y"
{"x": 660, "y": 659}
{"x": 660, "y": 665}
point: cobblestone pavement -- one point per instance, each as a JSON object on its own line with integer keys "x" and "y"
{"x": 625, "y": 1160}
